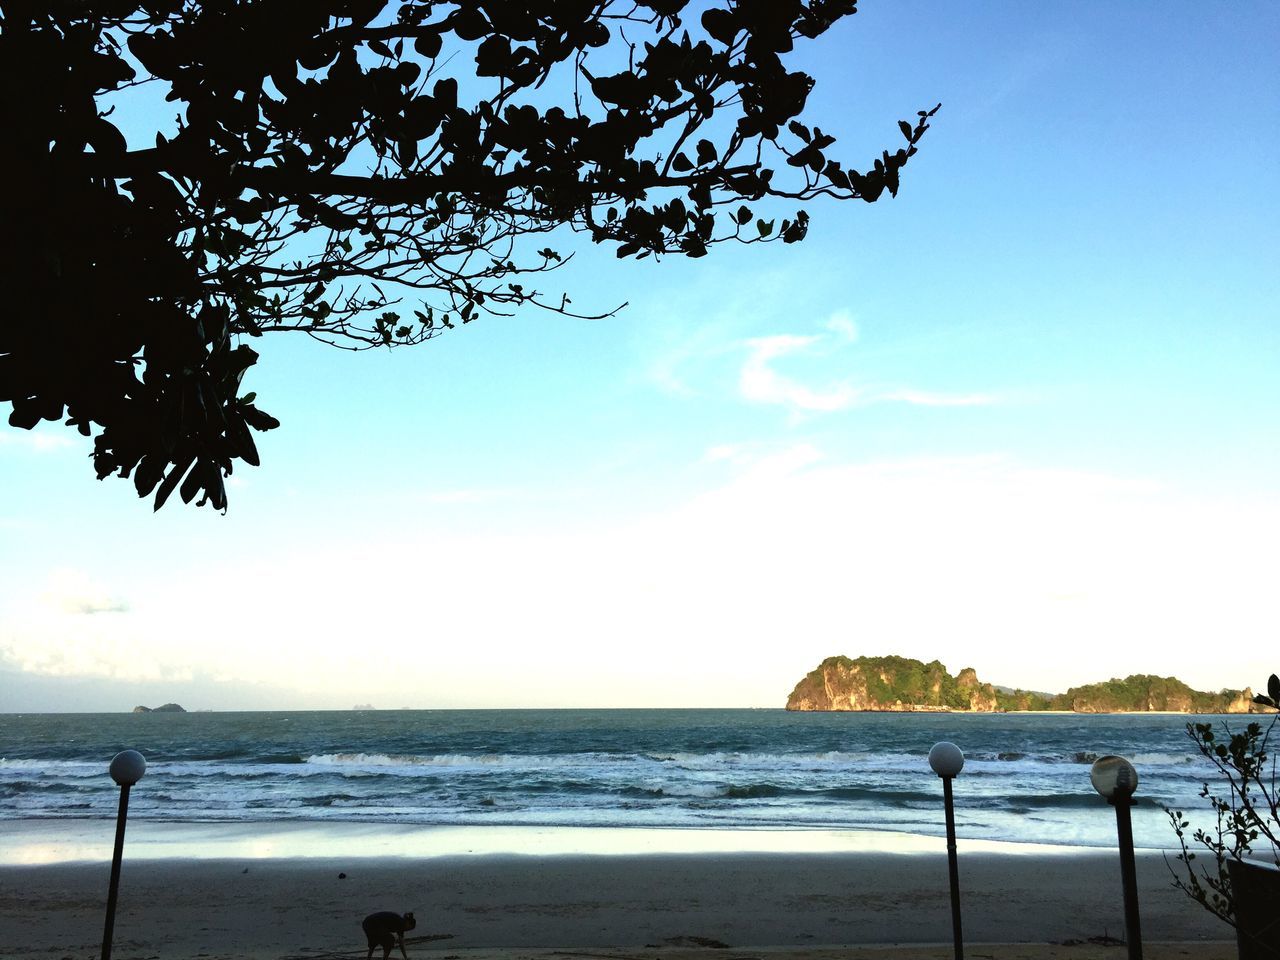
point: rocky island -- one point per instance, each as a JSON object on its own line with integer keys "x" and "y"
{"x": 902, "y": 684}
{"x": 163, "y": 708}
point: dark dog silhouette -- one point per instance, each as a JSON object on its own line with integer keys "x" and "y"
{"x": 386, "y": 930}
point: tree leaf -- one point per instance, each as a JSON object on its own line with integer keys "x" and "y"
{"x": 428, "y": 45}
{"x": 191, "y": 485}
{"x": 176, "y": 473}
{"x": 720, "y": 24}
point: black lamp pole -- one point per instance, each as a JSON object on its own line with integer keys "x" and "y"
{"x": 954, "y": 867}
{"x": 1116, "y": 779}
{"x": 127, "y": 768}
{"x": 947, "y": 760}
{"x": 1128, "y": 875}
{"x": 114, "y": 889}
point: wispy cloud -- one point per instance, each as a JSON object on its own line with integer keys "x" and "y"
{"x": 760, "y": 381}
{"x": 681, "y": 355}
{"x": 108, "y": 653}
{"x": 75, "y": 592}
{"x": 763, "y": 460}
{"x": 842, "y": 325}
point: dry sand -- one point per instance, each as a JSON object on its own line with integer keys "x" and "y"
{"x": 665, "y": 907}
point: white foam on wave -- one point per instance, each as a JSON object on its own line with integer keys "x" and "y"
{"x": 62, "y": 769}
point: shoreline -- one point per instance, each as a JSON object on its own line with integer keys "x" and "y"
{"x": 57, "y": 841}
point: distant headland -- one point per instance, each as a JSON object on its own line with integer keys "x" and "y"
{"x": 163, "y": 708}
{"x": 902, "y": 684}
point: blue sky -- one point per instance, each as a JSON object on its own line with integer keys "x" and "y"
{"x": 1023, "y": 417}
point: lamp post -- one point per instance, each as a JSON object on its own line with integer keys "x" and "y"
{"x": 1115, "y": 779}
{"x": 127, "y": 768}
{"x": 947, "y": 760}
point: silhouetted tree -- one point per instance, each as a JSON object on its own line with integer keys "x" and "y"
{"x": 362, "y": 172}
{"x": 1245, "y": 800}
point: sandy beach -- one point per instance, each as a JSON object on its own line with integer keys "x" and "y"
{"x": 669, "y": 906}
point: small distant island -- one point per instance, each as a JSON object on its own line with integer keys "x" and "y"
{"x": 901, "y": 684}
{"x": 163, "y": 708}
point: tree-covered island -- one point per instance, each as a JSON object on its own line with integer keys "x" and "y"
{"x": 903, "y": 684}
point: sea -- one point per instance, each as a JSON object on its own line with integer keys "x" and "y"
{"x": 1025, "y": 777}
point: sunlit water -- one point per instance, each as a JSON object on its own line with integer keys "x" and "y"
{"x": 1026, "y": 777}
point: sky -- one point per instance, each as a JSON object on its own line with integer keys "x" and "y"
{"x": 1024, "y": 417}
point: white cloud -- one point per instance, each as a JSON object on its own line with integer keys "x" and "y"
{"x": 1040, "y": 578}
{"x": 76, "y": 592}
{"x": 755, "y": 459}
{"x": 806, "y": 373}
{"x": 95, "y": 655}
{"x": 760, "y": 381}
{"x": 116, "y": 648}
{"x": 681, "y": 353}
{"x": 841, "y": 323}
{"x": 722, "y": 452}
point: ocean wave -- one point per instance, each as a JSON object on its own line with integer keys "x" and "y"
{"x": 331, "y": 799}
{"x": 1025, "y": 778}
{"x": 1165, "y": 759}
{"x": 60, "y": 769}
{"x": 12, "y": 788}
{"x": 452, "y": 760}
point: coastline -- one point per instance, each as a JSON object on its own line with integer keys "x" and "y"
{"x": 60, "y": 841}
{"x": 277, "y": 852}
